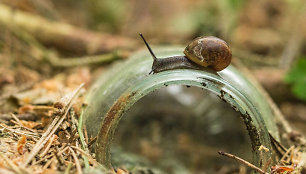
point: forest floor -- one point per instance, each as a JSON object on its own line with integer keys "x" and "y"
{"x": 50, "y": 56}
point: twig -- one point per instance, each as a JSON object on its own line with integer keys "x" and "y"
{"x": 59, "y": 154}
{"x": 80, "y": 150}
{"x": 60, "y": 161}
{"x": 92, "y": 141}
{"x": 65, "y": 37}
{"x": 26, "y": 116}
{"x": 48, "y": 147}
{"x": 286, "y": 154}
{"x": 77, "y": 163}
{"x": 41, "y": 53}
{"x": 43, "y": 108}
{"x": 73, "y": 120}
{"x": 55, "y": 124}
{"x": 53, "y": 158}
{"x": 18, "y": 121}
{"x": 39, "y": 144}
{"x": 84, "y": 153}
{"x": 242, "y": 161}
{"x": 67, "y": 171}
{"x": 42, "y": 159}
{"x": 26, "y": 128}
{"x": 62, "y": 150}
{"x": 13, "y": 166}
{"x": 49, "y": 162}
{"x": 40, "y": 108}
{"x": 20, "y": 132}
{"x": 85, "y": 134}
{"x": 81, "y": 61}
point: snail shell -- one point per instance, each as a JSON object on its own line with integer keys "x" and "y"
{"x": 209, "y": 51}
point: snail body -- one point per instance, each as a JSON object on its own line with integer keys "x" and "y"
{"x": 201, "y": 53}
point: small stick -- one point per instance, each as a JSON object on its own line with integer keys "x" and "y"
{"x": 286, "y": 154}
{"x": 73, "y": 120}
{"x": 53, "y": 158}
{"x": 242, "y": 161}
{"x": 58, "y": 158}
{"x": 51, "y": 155}
{"x": 26, "y": 116}
{"x": 82, "y": 151}
{"x": 21, "y": 126}
{"x": 11, "y": 164}
{"x": 54, "y": 126}
{"x": 48, "y": 147}
{"x": 43, "y": 108}
{"x": 19, "y": 132}
{"x": 62, "y": 151}
{"x": 48, "y": 163}
{"x": 85, "y": 134}
{"x": 67, "y": 171}
{"x": 14, "y": 116}
{"x": 77, "y": 163}
{"x": 92, "y": 141}
{"x": 40, "y": 143}
{"x": 86, "y": 154}
{"x": 42, "y": 159}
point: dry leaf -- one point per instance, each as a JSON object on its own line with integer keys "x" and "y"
{"x": 21, "y": 143}
{"x": 50, "y": 85}
{"x": 29, "y": 124}
{"x": 25, "y": 109}
{"x": 281, "y": 169}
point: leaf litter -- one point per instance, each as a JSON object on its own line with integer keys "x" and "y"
{"x": 42, "y": 135}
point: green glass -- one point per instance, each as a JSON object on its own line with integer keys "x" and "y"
{"x": 116, "y": 91}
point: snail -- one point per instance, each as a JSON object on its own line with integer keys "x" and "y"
{"x": 202, "y": 52}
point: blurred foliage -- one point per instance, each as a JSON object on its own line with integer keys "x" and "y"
{"x": 230, "y": 10}
{"x": 198, "y": 20}
{"x": 235, "y": 4}
{"x": 297, "y": 77}
{"x": 107, "y": 15}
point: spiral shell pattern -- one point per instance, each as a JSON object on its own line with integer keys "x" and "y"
{"x": 209, "y": 52}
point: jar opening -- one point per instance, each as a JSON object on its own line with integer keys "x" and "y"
{"x": 180, "y": 124}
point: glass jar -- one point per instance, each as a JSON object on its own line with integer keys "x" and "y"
{"x": 127, "y": 83}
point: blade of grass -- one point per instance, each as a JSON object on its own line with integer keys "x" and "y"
{"x": 82, "y": 139}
